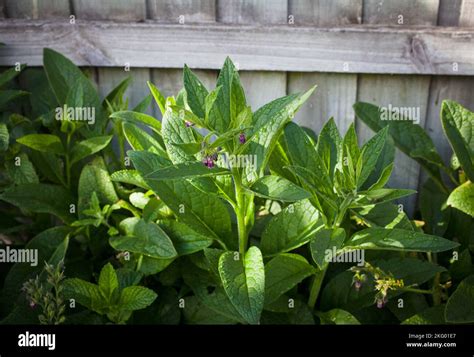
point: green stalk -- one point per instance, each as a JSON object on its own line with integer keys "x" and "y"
{"x": 68, "y": 164}
{"x": 240, "y": 211}
{"x": 316, "y": 287}
{"x": 418, "y": 291}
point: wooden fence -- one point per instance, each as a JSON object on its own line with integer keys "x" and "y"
{"x": 404, "y": 53}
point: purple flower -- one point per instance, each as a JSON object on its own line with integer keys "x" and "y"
{"x": 357, "y": 285}
{"x": 188, "y": 123}
{"x": 242, "y": 138}
{"x": 381, "y": 302}
{"x": 32, "y": 304}
{"x": 207, "y": 161}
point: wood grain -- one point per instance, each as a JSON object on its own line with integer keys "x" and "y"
{"x": 272, "y": 48}
{"x": 37, "y": 9}
{"x": 182, "y": 11}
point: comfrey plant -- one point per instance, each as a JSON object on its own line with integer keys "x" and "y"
{"x": 447, "y": 197}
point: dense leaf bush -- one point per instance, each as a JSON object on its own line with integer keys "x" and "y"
{"x": 218, "y": 214}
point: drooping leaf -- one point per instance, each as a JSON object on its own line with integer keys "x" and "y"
{"x": 133, "y": 117}
{"x": 460, "y": 306}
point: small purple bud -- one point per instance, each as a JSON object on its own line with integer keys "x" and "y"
{"x": 381, "y": 303}
{"x": 32, "y": 304}
{"x": 242, "y": 138}
{"x": 188, "y": 123}
{"x": 214, "y": 156}
{"x": 357, "y": 285}
{"x": 210, "y": 163}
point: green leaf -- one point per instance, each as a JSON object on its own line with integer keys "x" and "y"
{"x": 160, "y": 100}
{"x": 85, "y": 293}
{"x": 433, "y": 208}
{"x": 460, "y": 306}
{"x": 4, "y": 137}
{"x": 131, "y": 177}
{"x": 185, "y": 240}
{"x": 337, "y": 317}
{"x": 7, "y": 96}
{"x": 196, "y": 92}
{"x": 116, "y": 94}
{"x": 458, "y": 124}
{"x": 174, "y": 132}
{"x": 385, "y": 215}
{"x": 324, "y": 243}
{"x": 37, "y": 197}
{"x": 370, "y": 154}
{"x": 243, "y": 278}
{"x": 283, "y": 273}
{"x": 49, "y": 165}
{"x": 63, "y": 76}
{"x": 411, "y": 270}
{"x": 108, "y": 282}
{"x": 278, "y": 188}
{"x": 89, "y": 147}
{"x": 136, "y": 298}
{"x": 138, "y": 118}
{"x": 43, "y": 142}
{"x": 9, "y": 74}
{"x": 139, "y": 139}
{"x": 147, "y": 239}
{"x": 431, "y": 316}
{"x": 329, "y": 146}
{"x": 204, "y": 213}
{"x": 410, "y": 138}
{"x": 95, "y": 178}
{"x": 462, "y": 198}
{"x": 23, "y": 173}
{"x": 184, "y": 170}
{"x": 268, "y": 123}
{"x": 290, "y": 229}
{"x": 399, "y": 240}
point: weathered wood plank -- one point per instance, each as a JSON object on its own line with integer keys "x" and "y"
{"x": 35, "y": 9}
{"x": 261, "y": 12}
{"x": 336, "y": 93}
{"x": 334, "y": 97}
{"x": 325, "y": 12}
{"x": 182, "y": 11}
{"x": 119, "y": 10}
{"x": 2, "y": 9}
{"x": 263, "y": 87}
{"x": 399, "y": 91}
{"x": 449, "y": 11}
{"x": 275, "y": 48}
{"x": 401, "y": 12}
{"x": 466, "y": 17}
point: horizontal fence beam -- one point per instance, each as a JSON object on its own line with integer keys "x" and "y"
{"x": 351, "y": 49}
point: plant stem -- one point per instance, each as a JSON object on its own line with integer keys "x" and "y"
{"x": 433, "y": 258}
{"x": 68, "y": 165}
{"x": 315, "y": 287}
{"x": 240, "y": 212}
{"x": 419, "y": 291}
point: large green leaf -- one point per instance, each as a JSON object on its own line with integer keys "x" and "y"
{"x": 185, "y": 170}
{"x": 337, "y": 317}
{"x": 329, "y": 146}
{"x": 290, "y": 229}
{"x": 175, "y": 132}
{"x": 460, "y": 306}
{"x": 398, "y": 239}
{"x": 43, "y": 142}
{"x": 324, "y": 243}
{"x": 385, "y": 215}
{"x": 85, "y": 293}
{"x": 462, "y": 198}
{"x": 185, "y": 240}
{"x": 433, "y": 208}
{"x": 283, "y": 273}
{"x": 4, "y": 137}
{"x": 63, "y": 75}
{"x": 95, "y": 178}
{"x": 243, "y": 278}
{"x": 139, "y": 139}
{"x": 23, "y": 173}
{"x": 147, "y": 239}
{"x": 458, "y": 124}
{"x": 108, "y": 282}
{"x": 409, "y": 137}
{"x": 370, "y": 155}
{"x": 138, "y": 118}
{"x": 268, "y": 123}
{"x": 89, "y": 147}
{"x": 204, "y": 213}
{"x": 196, "y": 92}
{"x": 40, "y": 197}
{"x": 136, "y": 298}
{"x": 278, "y": 188}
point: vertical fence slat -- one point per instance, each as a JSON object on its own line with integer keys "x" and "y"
{"x": 458, "y": 88}
{"x": 325, "y": 12}
{"x": 399, "y": 91}
{"x": 119, "y": 10}
{"x": 390, "y": 12}
{"x": 260, "y": 87}
{"x": 170, "y": 81}
{"x": 336, "y": 93}
{"x": 36, "y": 9}
{"x": 188, "y": 11}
